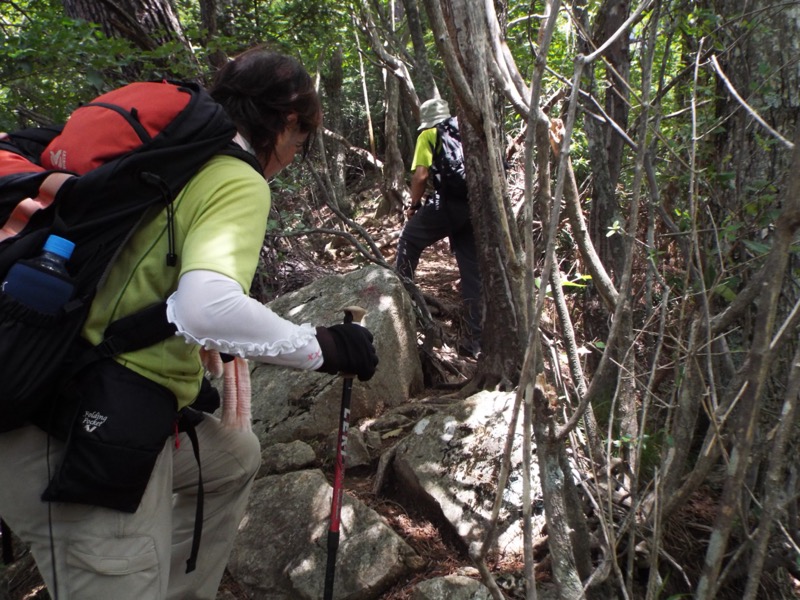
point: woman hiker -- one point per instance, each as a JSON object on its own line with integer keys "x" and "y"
{"x": 87, "y": 552}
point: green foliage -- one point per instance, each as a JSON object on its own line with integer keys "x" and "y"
{"x": 580, "y": 282}
{"x": 700, "y": 22}
{"x": 303, "y": 28}
{"x": 50, "y": 63}
{"x": 525, "y": 21}
{"x": 726, "y": 289}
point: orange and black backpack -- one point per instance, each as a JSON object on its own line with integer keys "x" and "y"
{"x": 90, "y": 182}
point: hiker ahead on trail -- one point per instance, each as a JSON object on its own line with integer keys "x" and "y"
{"x": 113, "y": 450}
{"x": 438, "y": 158}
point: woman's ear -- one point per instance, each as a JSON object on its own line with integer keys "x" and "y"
{"x": 291, "y": 120}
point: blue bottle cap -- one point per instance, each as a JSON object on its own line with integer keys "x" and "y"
{"x": 58, "y": 245}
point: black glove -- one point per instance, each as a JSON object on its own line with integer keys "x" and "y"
{"x": 347, "y": 348}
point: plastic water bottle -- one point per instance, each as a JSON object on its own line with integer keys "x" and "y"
{"x": 43, "y": 283}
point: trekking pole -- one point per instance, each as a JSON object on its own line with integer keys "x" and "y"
{"x": 352, "y": 314}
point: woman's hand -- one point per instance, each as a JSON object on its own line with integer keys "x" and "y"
{"x": 347, "y": 348}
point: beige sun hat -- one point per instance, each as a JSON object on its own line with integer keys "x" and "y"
{"x": 432, "y": 112}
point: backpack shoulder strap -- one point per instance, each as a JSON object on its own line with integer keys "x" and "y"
{"x": 233, "y": 149}
{"x": 438, "y": 148}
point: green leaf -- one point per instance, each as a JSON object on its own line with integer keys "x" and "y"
{"x": 757, "y": 248}
{"x": 574, "y": 284}
{"x": 727, "y": 288}
{"x": 95, "y": 78}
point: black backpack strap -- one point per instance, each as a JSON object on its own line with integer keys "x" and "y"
{"x": 234, "y": 149}
{"x": 134, "y": 332}
{"x": 438, "y": 149}
{"x": 438, "y": 155}
{"x": 187, "y": 423}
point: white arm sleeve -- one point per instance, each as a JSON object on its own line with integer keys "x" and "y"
{"x": 211, "y": 310}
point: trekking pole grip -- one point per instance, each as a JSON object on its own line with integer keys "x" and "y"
{"x": 354, "y": 314}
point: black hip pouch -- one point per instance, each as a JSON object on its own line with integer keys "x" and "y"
{"x": 120, "y": 421}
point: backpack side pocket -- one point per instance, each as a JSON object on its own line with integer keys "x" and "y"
{"x": 33, "y": 349}
{"x": 121, "y": 425}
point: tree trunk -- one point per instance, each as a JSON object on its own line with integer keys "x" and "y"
{"x": 605, "y": 153}
{"x": 395, "y": 76}
{"x": 565, "y": 569}
{"x": 147, "y": 23}
{"x": 332, "y": 80}
{"x": 208, "y": 16}
{"x": 421, "y": 65}
{"x": 605, "y": 144}
{"x": 395, "y": 191}
{"x": 496, "y": 236}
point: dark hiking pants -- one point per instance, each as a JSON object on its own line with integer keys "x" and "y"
{"x": 436, "y": 221}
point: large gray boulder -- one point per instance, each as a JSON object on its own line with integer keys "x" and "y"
{"x": 284, "y": 458}
{"x": 281, "y": 550}
{"x": 451, "y": 460}
{"x": 461, "y": 587}
{"x": 289, "y": 404}
{"x": 452, "y": 587}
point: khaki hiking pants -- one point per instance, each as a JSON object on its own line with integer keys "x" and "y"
{"x": 100, "y": 554}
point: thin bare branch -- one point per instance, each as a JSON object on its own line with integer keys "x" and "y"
{"x": 751, "y": 111}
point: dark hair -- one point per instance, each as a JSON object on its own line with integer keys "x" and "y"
{"x": 259, "y": 90}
